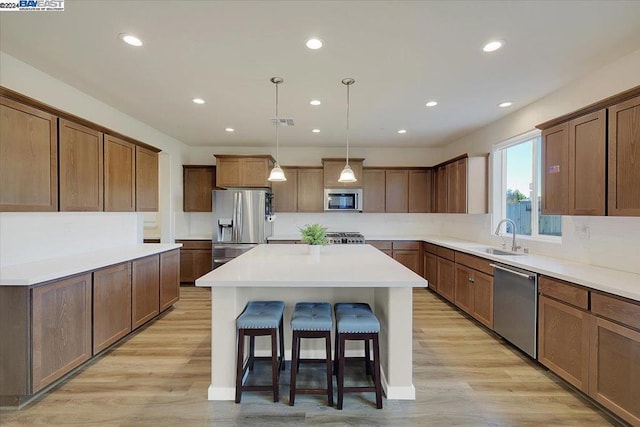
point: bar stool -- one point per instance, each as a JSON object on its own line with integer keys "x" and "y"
{"x": 311, "y": 320}
{"x": 356, "y": 322}
{"x": 260, "y": 318}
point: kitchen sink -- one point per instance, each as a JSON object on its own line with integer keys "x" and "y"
{"x": 494, "y": 251}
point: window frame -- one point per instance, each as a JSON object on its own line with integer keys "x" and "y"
{"x": 499, "y": 197}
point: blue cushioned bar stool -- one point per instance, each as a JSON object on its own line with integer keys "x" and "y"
{"x": 356, "y": 322}
{"x": 260, "y": 318}
{"x": 311, "y": 320}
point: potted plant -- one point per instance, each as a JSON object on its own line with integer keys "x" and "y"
{"x": 315, "y": 236}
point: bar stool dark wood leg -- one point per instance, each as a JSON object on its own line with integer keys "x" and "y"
{"x": 329, "y": 368}
{"x": 295, "y": 366}
{"x": 341, "y": 342}
{"x": 376, "y": 370}
{"x": 275, "y": 374}
{"x": 239, "y": 363}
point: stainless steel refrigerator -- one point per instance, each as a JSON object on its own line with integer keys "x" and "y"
{"x": 241, "y": 221}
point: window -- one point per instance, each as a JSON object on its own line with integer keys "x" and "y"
{"x": 517, "y": 188}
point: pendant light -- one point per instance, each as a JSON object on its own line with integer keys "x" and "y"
{"x": 277, "y": 174}
{"x": 347, "y": 174}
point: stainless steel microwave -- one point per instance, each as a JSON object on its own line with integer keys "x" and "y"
{"x": 343, "y": 199}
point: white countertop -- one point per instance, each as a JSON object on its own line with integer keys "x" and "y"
{"x": 292, "y": 266}
{"x": 56, "y": 268}
{"x": 616, "y": 282}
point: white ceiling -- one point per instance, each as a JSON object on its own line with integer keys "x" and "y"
{"x": 401, "y": 53}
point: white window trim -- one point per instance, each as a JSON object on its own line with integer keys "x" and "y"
{"x": 498, "y": 197}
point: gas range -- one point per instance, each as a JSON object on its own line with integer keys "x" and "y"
{"x": 345, "y": 238}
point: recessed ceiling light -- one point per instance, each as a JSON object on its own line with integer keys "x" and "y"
{"x": 314, "y": 43}
{"x": 492, "y": 46}
{"x": 315, "y": 102}
{"x": 505, "y": 104}
{"x": 431, "y": 104}
{"x": 402, "y": 131}
{"x": 315, "y": 130}
{"x": 130, "y": 39}
{"x": 198, "y": 101}
{"x": 229, "y": 129}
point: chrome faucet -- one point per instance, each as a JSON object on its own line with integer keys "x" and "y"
{"x": 514, "y": 248}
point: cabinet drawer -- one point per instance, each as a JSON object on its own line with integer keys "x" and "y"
{"x": 563, "y": 291}
{"x": 380, "y": 244}
{"x": 474, "y": 262}
{"x": 446, "y": 253}
{"x": 625, "y": 312}
{"x": 195, "y": 244}
{"x": 406, "y": 245}
{"x": 431, "y": 248}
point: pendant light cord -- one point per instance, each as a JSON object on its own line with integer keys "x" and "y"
{"x": 348, "y": 125}
{"x": 277, "y": 128}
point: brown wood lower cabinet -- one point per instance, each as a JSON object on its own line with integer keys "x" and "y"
{"x": 61, "y": 328}
{"x": 431, "y": 270}
{"x": 446, "y": 275}
{"x": 111, "y": 305}
{"x": 145, "y": 290}
{"x": 169, "y": 278}
{"x": 195, "y": 259}
{"x": 474, "y": 294}
{"x": 563, "y": 341}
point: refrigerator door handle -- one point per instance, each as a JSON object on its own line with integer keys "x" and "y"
{"x": 237, "y": 213}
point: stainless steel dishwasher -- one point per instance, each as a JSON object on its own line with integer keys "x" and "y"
{"x": 515, "y": 307}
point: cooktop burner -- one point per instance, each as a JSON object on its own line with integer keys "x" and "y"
{"x": 349, "y": 238}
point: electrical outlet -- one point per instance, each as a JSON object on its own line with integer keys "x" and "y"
{"x": 582, "y": 232}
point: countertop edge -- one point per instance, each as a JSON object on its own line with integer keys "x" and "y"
{"x": 42, "y": 271}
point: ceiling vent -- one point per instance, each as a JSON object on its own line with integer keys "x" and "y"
{"x": 282, "y": 122}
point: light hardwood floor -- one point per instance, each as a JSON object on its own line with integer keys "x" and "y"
{"x": 159, "y": 377}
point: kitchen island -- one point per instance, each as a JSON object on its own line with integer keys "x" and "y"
{"x": 340, "y": 273}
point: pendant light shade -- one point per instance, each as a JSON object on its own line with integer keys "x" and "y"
{"x": 277, "y": 174}
{"x": 347, "y": 174}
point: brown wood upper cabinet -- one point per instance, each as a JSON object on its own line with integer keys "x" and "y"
{"x": 587, "y": 171}
{"x": 301, "y": 192}
{"x": 197, "y": 184}
{"x": 29, "y": 160}
{"x": 461, "y": 185}
{"x": 373, "y": 190}
{"x": 397, "y": 190}
{"x": 243, "y": 171}
{"x": 332, "y": 169}
{"x": 119, "y": 175}
{"x": 420, "y": 183}
{"x": 146, "y": 180}
{"x": 624, "y": 158}
{"x": 81, "y": 168}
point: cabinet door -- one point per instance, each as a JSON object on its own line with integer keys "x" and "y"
{"x": 197, "y": 184}
{"x": 169, "y": 278}
{"x": 431, "y": 270}
{"x": 61, "y": 328}
{"x": 555, "y": 174}
{"x": 145, "y": 290}
{"x": 587, "y": 164}
{"x": 111, "y": 305}
{"x": 29, "y": 160}
{"x": 464, "y": 288}
{"x": 624, "y": 158}
{"x": 614, "y": 374}
{"x": 446, "y": 276}
{"x": 563, "y": 341}
{"x": 228, "y": 172}
{"x": 408, "y": 258}
{"x": 310, "y": 190}
{"x": 397, "y": 190}
{"x": 419, "y": 191}
{"x": 373, "y": 190}
{"x": 119, "y": 175}
{"x": 332, "y": 169}
{"x": 81, "y": 168}
{"x": 460, "y": 196}
{"x": 483, "y": 298}
{"x": 254, "y": 172}
{"x": 187, "y": 275}
{"x": 441, "y": 190}
{"x": 146, "y": 180}
{"x": 285, "y": 193}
